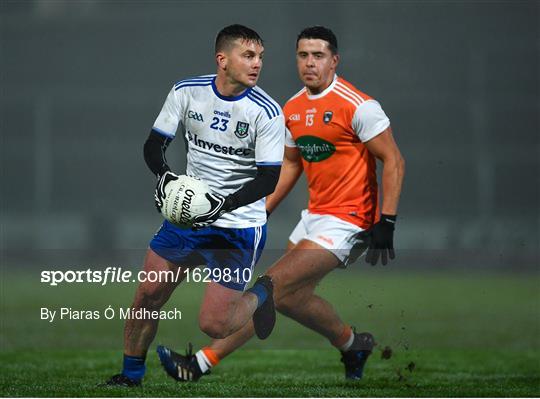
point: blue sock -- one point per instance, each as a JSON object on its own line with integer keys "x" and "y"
{"x": 134, "y": 367}
{"x": 260, "y": 291}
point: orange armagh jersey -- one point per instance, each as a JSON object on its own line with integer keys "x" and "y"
{"x": 329, "y": 130}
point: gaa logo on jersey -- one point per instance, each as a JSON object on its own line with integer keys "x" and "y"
{"x": 195, "y": 115}
{"x": 242, "y": 129}
{"x": 315, "y": 149}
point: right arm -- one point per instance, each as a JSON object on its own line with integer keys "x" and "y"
{"x": 291, "y": 170}
{"x": 162, "y": 133}
{"x": 160, "y": 137}
{"x": 154, "y": 153}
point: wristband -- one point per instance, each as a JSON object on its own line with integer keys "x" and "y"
{"x": 388, "y": 219}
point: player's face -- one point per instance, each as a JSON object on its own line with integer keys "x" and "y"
{"x": 316, "y": 64}
{"x": 243, "y": 63}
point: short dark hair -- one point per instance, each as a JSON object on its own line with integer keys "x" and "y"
{"x": 230, "y": 33}
{"x": 319, "y": 32}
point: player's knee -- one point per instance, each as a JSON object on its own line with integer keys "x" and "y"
{"x": 214, "y": 327}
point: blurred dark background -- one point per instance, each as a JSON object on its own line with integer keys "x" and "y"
{"x": 83, "y": 81}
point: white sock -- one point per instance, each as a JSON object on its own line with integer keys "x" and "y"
{"x": 203, "y": 361}
{"x": 347, "y": 345}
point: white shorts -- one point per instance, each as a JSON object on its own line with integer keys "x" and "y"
{"x": 345, "y": 240}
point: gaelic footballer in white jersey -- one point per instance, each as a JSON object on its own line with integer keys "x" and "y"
{"x": 234, "y": 134}
{"x": 226, "y": 139}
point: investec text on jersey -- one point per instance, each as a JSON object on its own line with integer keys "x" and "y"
{"x": 230, "y": 150}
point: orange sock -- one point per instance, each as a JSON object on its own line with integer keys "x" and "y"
{"x": 211, "y": 355}
{"x": 344, "y": 338}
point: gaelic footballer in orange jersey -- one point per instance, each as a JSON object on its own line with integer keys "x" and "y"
{"x": 329, "y": 130}
{"x": 334, "y": 134}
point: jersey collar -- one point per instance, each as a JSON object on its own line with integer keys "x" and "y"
{"x": 231, "y": 98}
{"x": 324, "y": 92}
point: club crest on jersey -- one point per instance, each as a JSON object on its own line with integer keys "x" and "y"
{"x": 327, "y": 117}
{"x": 242, "y": 129}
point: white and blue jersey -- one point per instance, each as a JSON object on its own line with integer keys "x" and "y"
{"x": 226, "y": 138}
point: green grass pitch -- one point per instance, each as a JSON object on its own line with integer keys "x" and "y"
{"x": 452, "y": 334}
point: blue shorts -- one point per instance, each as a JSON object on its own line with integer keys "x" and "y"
{"x": 234, "y": 251}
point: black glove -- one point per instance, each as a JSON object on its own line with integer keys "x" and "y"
{"x": 218, "y": 206}
{"x": 159, "y": 194}
{"x": 382, "y": 240}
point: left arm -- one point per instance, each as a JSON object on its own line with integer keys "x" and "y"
{"x": 262, "y": 185}
{"x": 384, "y": 148}
{"x": 268, "y": 157}
{"x": 372, "y": 126}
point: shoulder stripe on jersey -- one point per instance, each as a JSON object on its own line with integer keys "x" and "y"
{"x": 347, "y": 93}
{"x": 265, "y": 107}
{"x": 193, "y": 84}
{"x": 258, "y": 97}
{"x": 267, "y": 99}
{"x": 193, "y": 81}
{"x": 346, "y": 97}
{"x": 348, "y": 90}
{"x": 351, "y": 92}
{"x": 199, "y": 79}
{"x": 302, "y": 91}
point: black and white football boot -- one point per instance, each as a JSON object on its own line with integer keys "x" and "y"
{"x": 120, "y": 380}
{"x": 180, "y": 367}
{"x": 355, "y": 358}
